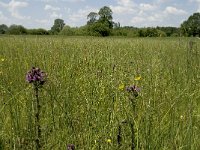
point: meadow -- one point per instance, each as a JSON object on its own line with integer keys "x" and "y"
{"x": 84, "y": 101}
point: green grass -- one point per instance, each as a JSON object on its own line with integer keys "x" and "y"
{"x": 81, "y": 102}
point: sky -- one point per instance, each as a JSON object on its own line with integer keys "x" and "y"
{"x": 137, "y": 13}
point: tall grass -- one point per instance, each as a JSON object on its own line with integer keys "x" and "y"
{"x": 81, "y": 103}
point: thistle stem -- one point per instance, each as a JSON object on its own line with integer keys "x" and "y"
{"x": 132, "y": 136}
{"x": 119, "y": 136}
{"x": 37, "y": 119}
{"x": 132, "y": 123}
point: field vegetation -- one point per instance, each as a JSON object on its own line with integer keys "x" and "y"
{"x": 85, "y": 102}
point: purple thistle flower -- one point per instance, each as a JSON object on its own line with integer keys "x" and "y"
{"x": 133, "y": 89}
{"x": 70, "y": 147}
{"x": 36, "y": 75}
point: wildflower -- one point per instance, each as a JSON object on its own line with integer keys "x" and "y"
{"x": 181, "y": 117}
{"x": 2, "y": 59}
{"x": 121, "y": 86}
{"x": 70, "y": 147}
{"x": 108, "y": 141}
{"x": 36, "y": 76}
{"x": 137, "y": 78}
{"x": 133, "y": 89}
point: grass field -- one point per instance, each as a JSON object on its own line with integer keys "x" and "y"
{"x": 83, "y": 101}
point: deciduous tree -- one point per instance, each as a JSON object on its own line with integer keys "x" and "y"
{"x": 92, "y": 16}
{"x": 58, "y": 26}
{"x": 3, "y": 28}
{"x": 191, "y": 27}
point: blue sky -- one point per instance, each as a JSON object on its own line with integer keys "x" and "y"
{"x": 138, "y": 13}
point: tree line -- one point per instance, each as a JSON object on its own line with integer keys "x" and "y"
{"x": 101, "y": 24}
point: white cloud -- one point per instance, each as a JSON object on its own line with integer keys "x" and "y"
{"x": 3, "y": 18}
{"x": 42, "y": 21}
{"x": 126, "y": 3}
{"x": 148, "y": 20}
{"x": 152, "y": 13}
{"x": 137, "y": 20}
{"x": 47, "y": 1}
{"x": 73, "y": 0}
{"x": 130, "y": 7}
{"x": 147, "y": 7}
{"x": 3, "y": 4}
{"x": 124, "y": 7}
{"x": 174, "y": 11}
{"x": 51, "y": 8}
{"x": 81, "y": 14}
{"x": 53, "y": 11}
{"x": 163, "y": 1}
{"x": 131, "y": 13}
{"x": 122, "y": 10}
{"x": 68, "y": 10}
{"x": 13, "y": 7}
{"x": 79, "y": 17}
{"x": 198, "y": 3}
{"x": 55, "y": 15}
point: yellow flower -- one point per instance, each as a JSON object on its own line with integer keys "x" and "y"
{"x": 108, "y": 141}
{"x": 138, "y": 78}
{"x": 181, "y": 117}
{"x": 121, "y": 86}
{"x": 2, "y": 59}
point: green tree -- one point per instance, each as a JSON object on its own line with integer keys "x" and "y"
{"x": 104, "y": 24}
{"x": 67, "y": 30}
{"x": 3, "y": 28}
{"x": 16, "y": 29}
{"x": 92, "y": 16}
{"x": 99, "y": 29}
{"x": 105, "y": 16}
{"x": 191, "y": 27}
{"x": 169, "y": 31}
{"x": 58, "y": 26}
{"x": 105, "y": 13}
{"x": 39, "y": 31}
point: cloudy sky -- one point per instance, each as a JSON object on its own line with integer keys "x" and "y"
{"x": 138, "y": 13}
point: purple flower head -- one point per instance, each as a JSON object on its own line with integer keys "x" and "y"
{"x": 70, "y": 147}
{"x": 133, "y": 89}
{"x": 35, "y": 75}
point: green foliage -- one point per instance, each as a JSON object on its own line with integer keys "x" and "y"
{"x": 82, "y": 31}
{"x": 37, "y": 31}
{"x": 138, "y": 32}
{"x": 99, "y": 29}
{"x": 105, "y": 13}
{"x": 16, "y": 30}
{"x": 67, "y": 30}
{"x": 151, "y": 32}
{"x": 169, "y": 31}
{"x": 102, "y": 26}
{"x": 191, "y": 27}
{"x": 3, "y": 28}
{"x": 161, "y": 33}
{"x": 125, "y": 31}
{"x": 74, "y": 31}
{"x": 105, "y": 16}
{"x": 58, "y": 26}
{"x": 92, "y": 16}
